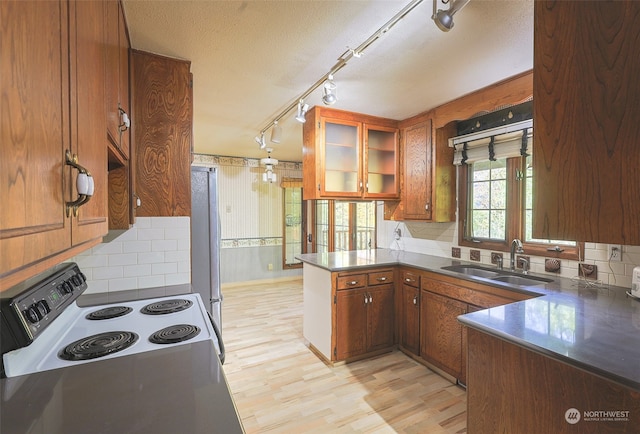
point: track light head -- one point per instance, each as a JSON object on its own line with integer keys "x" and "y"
{"x": 302, "y": 111}
{"x": 444, "y": 19}
{"x": 276, "y": 132}
{"x": 329, "y": 96}
{"x": 260, "y": 141}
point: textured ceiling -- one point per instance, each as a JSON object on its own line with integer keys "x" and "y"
{"x": 251, "y": 59}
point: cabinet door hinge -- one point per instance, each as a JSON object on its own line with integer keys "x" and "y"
{"x": 335, "y": 299}
{"x": 335, "y": 352}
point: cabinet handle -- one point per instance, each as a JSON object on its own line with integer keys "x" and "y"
{"x": 124, "y": 118}
{"x": 353, "y": 282}
{"x": 409, "y": 280}
{"x": 415, "y": 300}
{"x": 426, "y": 206}
{"x": 381, "y": 279}
{"x": 366, "y": 300}
{"x": 84, "y": 185}
{"x": 370, "y": 299}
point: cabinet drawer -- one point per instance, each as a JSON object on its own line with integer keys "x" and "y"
{"x": 352, "y": 281}
{"x": 410, "y": 278}
{"x": 380, "y": 277}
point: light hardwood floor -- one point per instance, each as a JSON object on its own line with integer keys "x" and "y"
{"x": 280, "y": 386}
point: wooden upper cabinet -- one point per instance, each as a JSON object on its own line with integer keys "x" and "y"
{"x": 87, "y": 115}
{"x": 34, "y": 132}
{"x": 117, "y": 79}
{"x": 428, "y": 175}
{"x": 162, "y": 128}
{"x": 52, "y": 64}
{"x": 586, "y": 92}
{"x": 349, "y": 155}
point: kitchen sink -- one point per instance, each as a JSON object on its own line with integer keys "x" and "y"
{"x": 521, "y": 280}
{"x": 497, "y": 275}
{"x": 473, "y": 270}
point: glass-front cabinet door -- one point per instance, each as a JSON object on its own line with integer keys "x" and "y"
{"x": 341, "y": 156}
{"x": 381, "y": 162}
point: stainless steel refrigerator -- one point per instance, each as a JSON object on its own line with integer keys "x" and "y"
{"x": 205, "y": 244}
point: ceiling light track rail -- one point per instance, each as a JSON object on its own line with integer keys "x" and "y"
{"x": 341, "y": 63}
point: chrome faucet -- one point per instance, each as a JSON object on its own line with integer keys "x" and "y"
{"x": 525, "y": 265}
{"x": 516, "y": 247}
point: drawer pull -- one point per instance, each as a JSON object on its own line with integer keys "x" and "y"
{"x": 407, "y": 279}
{"x": 353, "y": 282}
{"x": 381, "y": 279}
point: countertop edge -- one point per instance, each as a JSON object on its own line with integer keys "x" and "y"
{"x": 590, "y": 369}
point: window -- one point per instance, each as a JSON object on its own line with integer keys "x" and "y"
{"x": 342, "y": 225}
{"x": 496, "y": 197}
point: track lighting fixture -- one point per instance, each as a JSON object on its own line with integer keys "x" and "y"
{"x": 329, "y": 91}
{"x": 276, "y": 132}
{"x": 326, "y": 81}
{"x": 302, "y": 111}
{"x": 260, "y": 140}
{"x": 444, "y": 18}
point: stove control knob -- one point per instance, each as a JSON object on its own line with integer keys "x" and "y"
{"x": 66, "y": 286}
{"x": 82, "y": 276}
{"x": 43, "y": 308}
{"x": 76, "y": 280}
{"x": 32, "y": 314}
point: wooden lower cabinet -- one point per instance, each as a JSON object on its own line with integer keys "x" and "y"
{"x": 441, "y": 333}
{"x": 410, "y": 322}
{"x": 409, "y": 311}
{"x": 514, "y": 390}
{"x": 443, "y": 340}
{"x": 364, "y": 319}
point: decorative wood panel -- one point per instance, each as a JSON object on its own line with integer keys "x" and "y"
{"x": 586, "y": 111}
{"x": 163, "y": 111}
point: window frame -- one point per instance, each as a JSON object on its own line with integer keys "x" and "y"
{"x": 331, "y": 228}
{"x": 515, "y": 219}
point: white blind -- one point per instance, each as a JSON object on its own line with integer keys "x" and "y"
{"x": 502, "y": 142}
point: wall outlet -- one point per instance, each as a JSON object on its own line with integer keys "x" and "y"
{"x": 270, "y": 267}
{"x": 614, "y": 252}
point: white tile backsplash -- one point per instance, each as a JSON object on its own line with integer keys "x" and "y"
{"x": 155, "y": 252}
{"x": 437, "y": 239}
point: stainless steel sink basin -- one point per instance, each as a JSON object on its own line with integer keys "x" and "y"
{"x": 521, "y": 280}
{"x": 497, "y": 275}
{"x": 473, "y": 270}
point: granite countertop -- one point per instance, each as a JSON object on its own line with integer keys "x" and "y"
{"x": 594, "y": 329}
{"x": 181, "y": 389}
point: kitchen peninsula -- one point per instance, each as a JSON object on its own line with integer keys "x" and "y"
{"x": 565, "y": 346}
